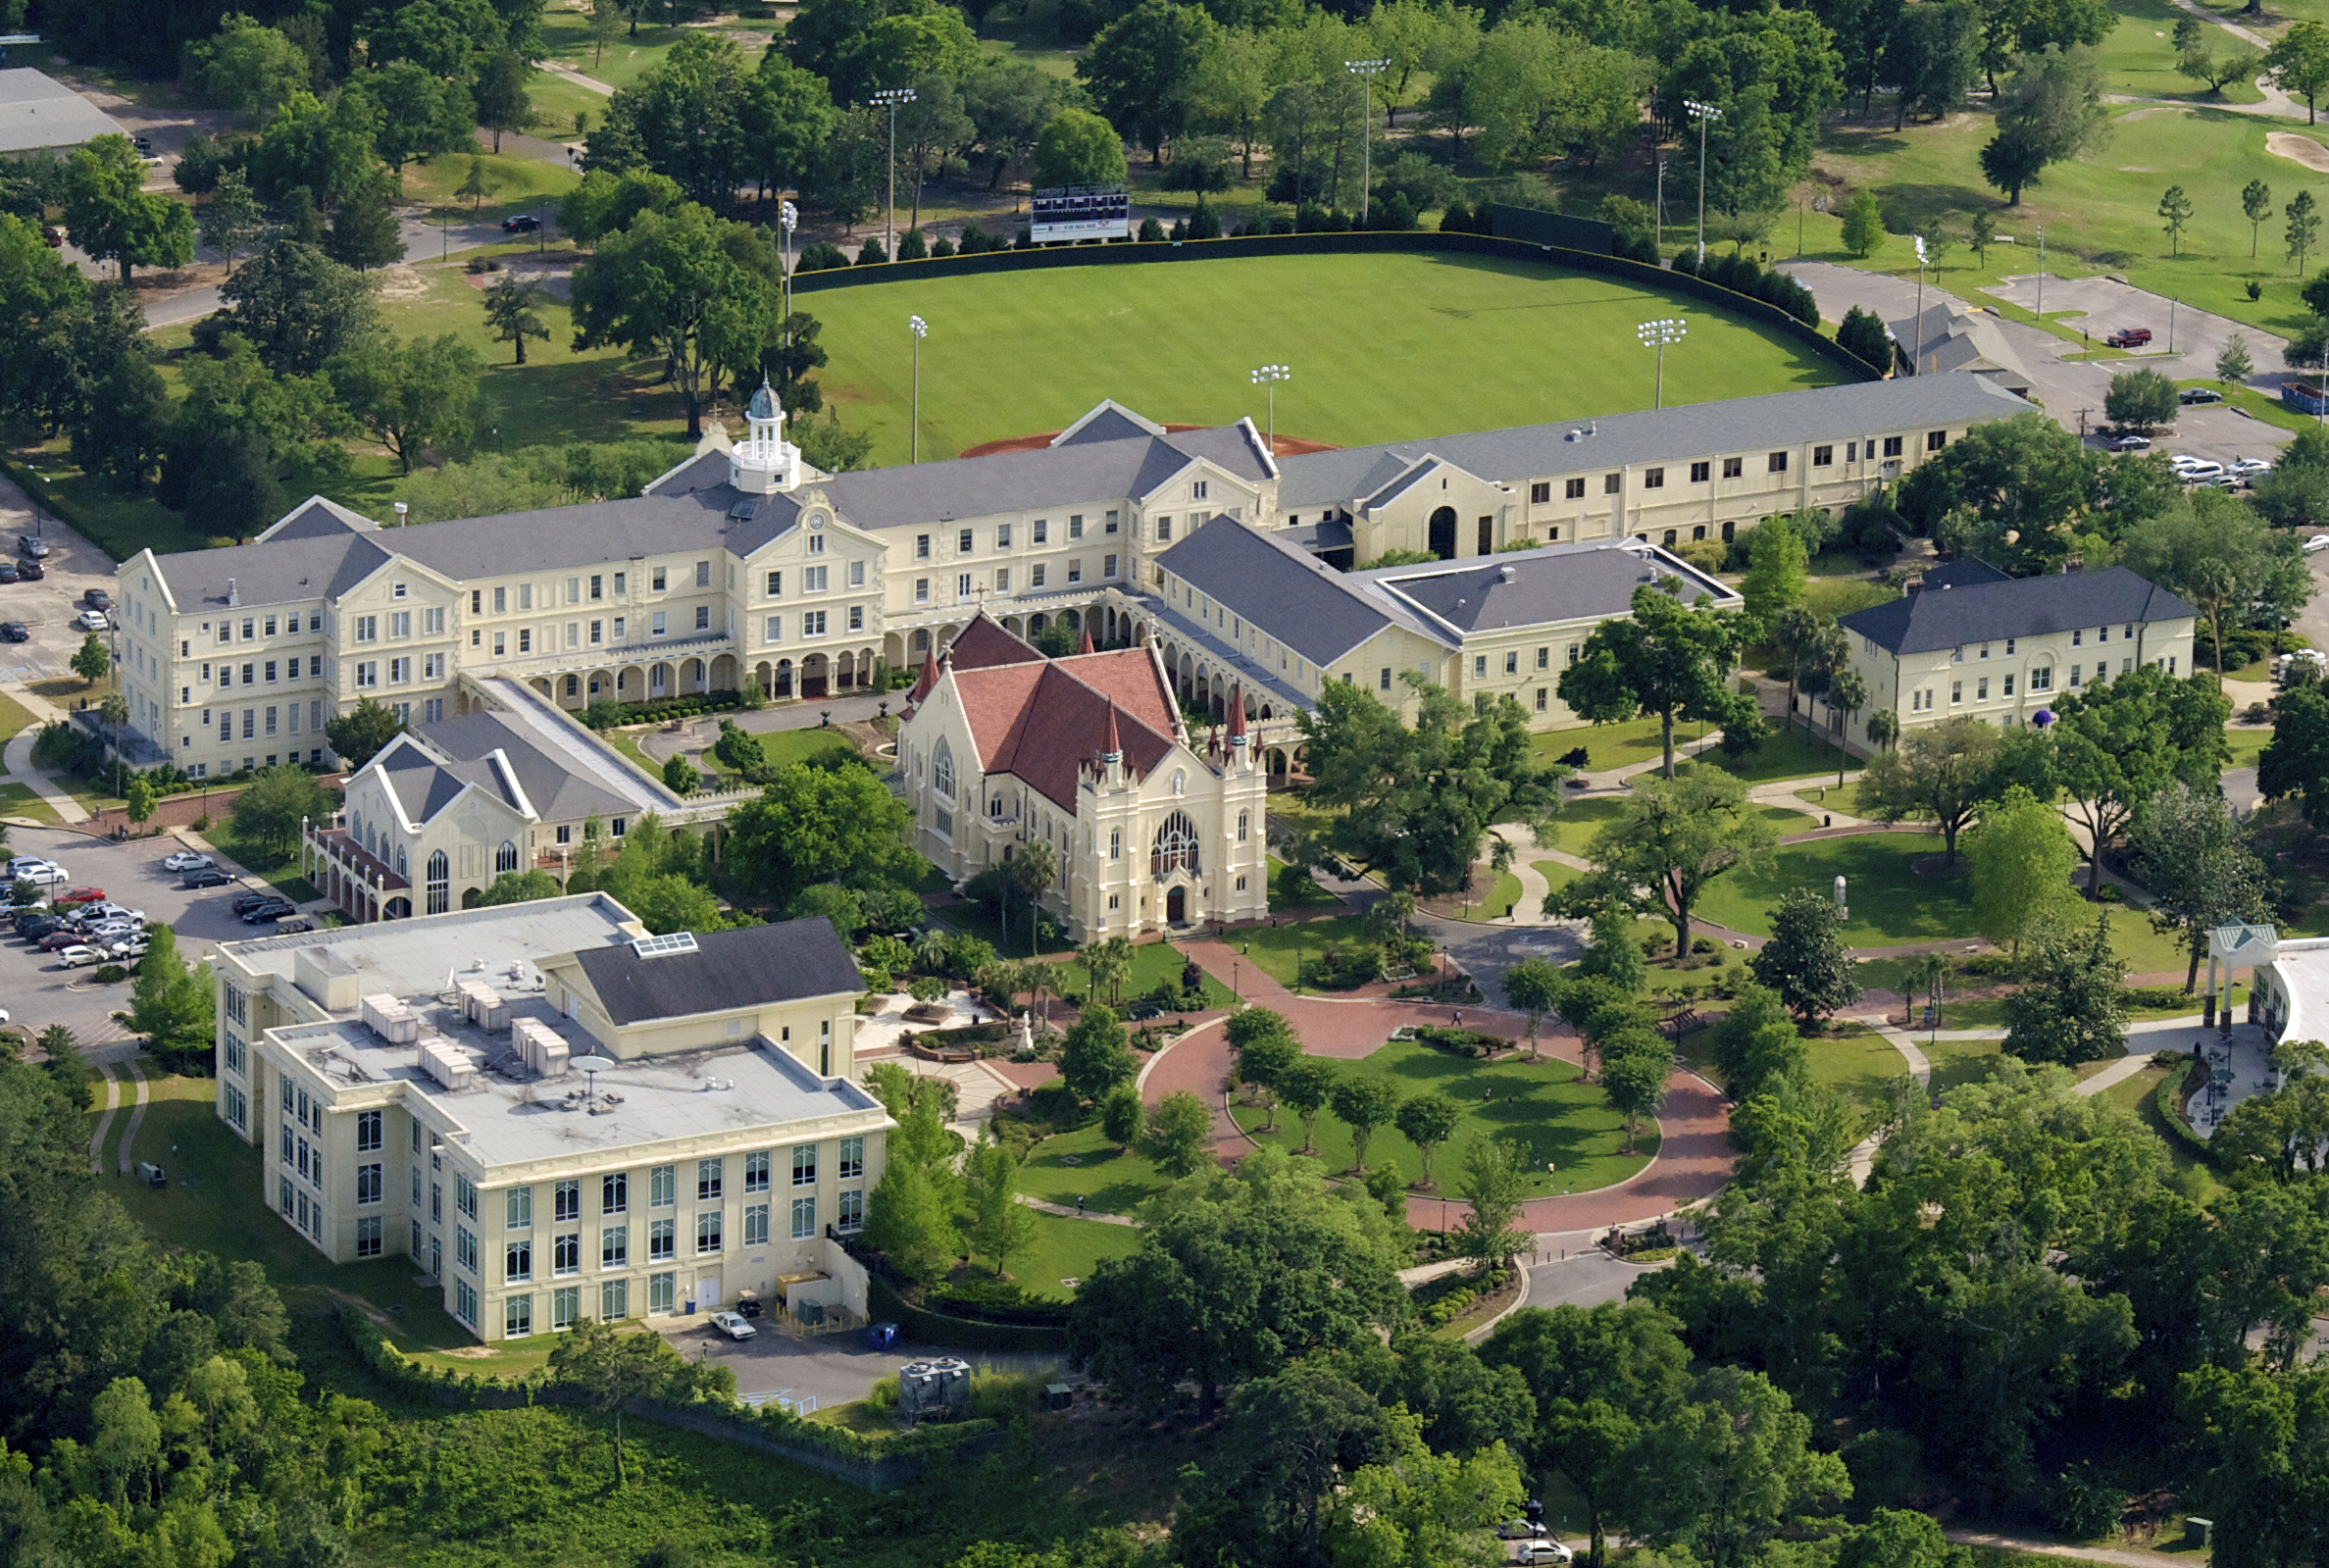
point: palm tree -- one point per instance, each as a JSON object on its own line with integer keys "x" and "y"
{"x": 1847, "y": 694}
{"x": 1035, "y": 868}
{"x": 1105, "y": 963}
{"x": 512, "y": 312}
{"x": 931, "y": 949}
{"x": 115, "y": 711}
{"x": 1884, "y": 728}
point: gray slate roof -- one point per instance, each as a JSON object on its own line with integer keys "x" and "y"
{"x": 1953, "y": 616}
{"x": 1730, "y": 426}
{"x": 558, "y": 795}
{"x": 748, "y": 966}
{"x": 38, "y": 111}
{"x": 1530, "y": 587}
{"x": 1307, "y": 605}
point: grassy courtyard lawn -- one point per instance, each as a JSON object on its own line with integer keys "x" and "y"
{"x": 1891, "y": 904}
{"x": 979, "y": 921}
{"x": 1574, "y": 829}
{"x": 1275, "y": 950}
{"x": 1857, "y": 1062}
{"x": 1542, "y": 1104}
{"x": 1465, "y": 337}
{"x": 1068, "y": 1249}
{"x": 20, "y": 800}
{"x": 1612, "y": 745}
{"x": 13, "y": 716}
{"x": 1154, "y": 964}
{"x": 1788, "y": 755}
{"x": 2247, "y": 743}
{"x": 1311, "y": 896}
{"x": 1490, "y": 897}
{"x": 1085, "y": 1164}
{"x": 1827, "y": 797}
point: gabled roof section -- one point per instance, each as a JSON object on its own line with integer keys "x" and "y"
{"x": 1305, "y": 604}
{"x": 1953, "y": 616}
{"x": 521, "y": 773}
{"x": 701, "y": 471}
{"x": 1040, "y": 723}
{"x": 1547, "y": 584}
{"x": 983, "y": 643}
{"x": 316, "y": 518}
{"x": 1108, "y": 420}
{"x": 1422, "y": 469}
{"x": 753, "y": 966}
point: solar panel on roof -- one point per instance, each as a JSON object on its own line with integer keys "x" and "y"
{"x": 678, "y": 941}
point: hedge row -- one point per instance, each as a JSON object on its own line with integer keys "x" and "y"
{"x": 2169, "y": 1098}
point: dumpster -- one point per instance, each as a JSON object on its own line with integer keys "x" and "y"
{"x": 881, "y": 1335}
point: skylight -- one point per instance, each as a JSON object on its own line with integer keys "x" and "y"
{"x": 678, "y": 941}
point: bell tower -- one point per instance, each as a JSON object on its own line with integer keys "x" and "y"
{"x": 764, "y": 462}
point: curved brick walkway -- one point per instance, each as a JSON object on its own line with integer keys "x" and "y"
{"x": 1694, "y": 1161}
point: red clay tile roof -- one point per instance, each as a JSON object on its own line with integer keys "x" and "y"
{"x": 1040, "y": 722}
{"x": 983, "y": 643}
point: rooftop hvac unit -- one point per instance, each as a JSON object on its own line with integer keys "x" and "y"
{"x": 934, "y": 1389}
{"x": 482, "y": 1006}
{"x": 539, "y": 1047}
{"x": 450, "y": 1066}
{"x": 390, "y": 1019}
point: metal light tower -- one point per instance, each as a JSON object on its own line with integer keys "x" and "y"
{"x": 889, "y": 99}
{"x": 1703, "y": 113}
{"x": 1366, "y": 71}
{"x": 1658, "y": 335}
{"x": 788, "y": 219}
{"x": 1270, "y": 376}
{"x": 1916, "y": 349}
{"x": 921, "y": 330}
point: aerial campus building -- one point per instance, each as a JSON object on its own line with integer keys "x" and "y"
{"x": 555, "y": 1116}
{"x": 742, "y": 567}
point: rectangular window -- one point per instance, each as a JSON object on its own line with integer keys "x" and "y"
{"x": 517, "y": 1317}
{"x": 1164, "y": 528}
{"x": 368, "y": 1236}
{"x": 613, "y": 1300}
{"x": 1612, "y": 483}
{"x": 703, "y": 573}
{"x": 1541, "y": 698}
{"x": 465, "y": 1248}
{"x": 367, "y": 1183}
{"x": 1573, "y": 490}
{"x": 1699, "y": 473}
{"x": 437, "y": 1203}
{"x": 776, "y": 584}
{"x": 1935, "y": 440}
{"x": 707, "y": 1231}
{"x": 1002, "y": 535}
{"x": 921, "y": 544}
{"x": 1478, "y": 665}
{"x": 1108, "y": 568}
{"x": 813, "y": 578}
{"x": 657, "y": 582}
{"x": 804, "y": 1165}
{"x": 774, "y": 628}
{"x": 2041, "y": 679}
{"x": 658, "y": 624}
{"x": 517, "y": 1203}
{"x": 659, "y": 1292}
{"x": 812, "y": 624}
{"x": 850, "y": 1211}
{"x": 804, "y": 1219}
{"x": 1981, "y": 689}
{"x": 566, "y": 1200}
{"x": 1385, "y": 678}
{"x": 1541, "y": 491}
{"x": 962, "y": 582}
{"x": 1512, "y": 661}
{"x": 963, "y": 541}
{"x": 1892, "y": 446}
{"x": 663, "y": 1186}
{"x": 2009, "y": 685}
{"x": 614, "y": 1246}
{"x": 709, "y": 1177}
{"x": 465, "y": 1194}
{"x": 1734, "y": 466}
{"x": 1654, "y": 479}
{"x": 565, "y": 1305}
{"x": 2077, "y": 672}
{"x": 517, "y": 1261}
{"x": 566, "y": 1254}
{"x": 1823, "y": 456}
{"x": 756, "y": 1225}
{"x": 662, "y": 1238}
{"x": 597, "y": 590}
{"x": 1956, "y": 692}
{"x": 368, "y": 1123}
{"x": 614, "y": 1194}
{"x": 756, "y": 1171}
{"x": 465, "y": 1303}
{"x": 1035, "y": 580}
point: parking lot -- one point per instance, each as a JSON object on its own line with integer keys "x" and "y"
{"x": 47, "y": 607}
{"x": 37, "y": 993}
{"x": 836, "y": 1368}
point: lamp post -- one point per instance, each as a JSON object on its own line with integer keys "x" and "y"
{"x": 1702, "y": 113}
{"x": 921, "y": 330}
{"x": 1658, "y": 335}
{"x": 1366, "y": 71}
{"x": 889, "y": 99}
{"x": 788, "y": 219}
{"x": 1662, "y": 206}
{"x": 1916, "y": 349}
{"x": 1270, "y": 376}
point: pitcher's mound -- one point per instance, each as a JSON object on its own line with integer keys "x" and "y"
{"x": 2298, "y": 149}
{"x": 1287, "y": 446}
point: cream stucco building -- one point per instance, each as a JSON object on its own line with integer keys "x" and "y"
{"x": 1088, "y": 755}
{"x": 553, "y": 1115}
{"x": 743, "y": 567}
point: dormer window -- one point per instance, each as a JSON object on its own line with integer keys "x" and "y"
{"x": 1197, "y": 491}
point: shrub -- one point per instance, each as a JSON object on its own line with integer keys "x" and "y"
{"x": 2160, "y": 996}
{"x": 110, "y": 974}
{"x": 1460, "y": 1041}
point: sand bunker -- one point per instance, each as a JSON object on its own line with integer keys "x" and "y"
{"x": 2297, "y": 149}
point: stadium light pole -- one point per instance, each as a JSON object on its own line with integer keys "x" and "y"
{"x": 1270, "y": 376}
{"x": 889, "y": 99}
{"x": 921, "y": 330}
{"x": 1658, "y": 335}
{"x": 1366, "y": 71}
{"x": 788, "y": 218}
{"x": 1702, "y": 113}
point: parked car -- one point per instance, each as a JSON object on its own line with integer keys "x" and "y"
{"x": 2251, "y": 467}
{"x": 2200, "y": 394}
{"x": 33, "y": 544}
{"x": 78, "y": 956}
{"x": 62, "y": 938}
{"x": 98, "y": 599}
{"x": 205, "y": 877}
{"x": 14, "y": 632}
{"x": 2200, "y": 468}
{"x": 186, "y": 860}
{"x": 2124, "y": 338}
{"x": 127, "y": 953}
{"x": 294, "y": 924}
{"x": 80, "y": 896}
{"x": 46, "y": 875}
{"x": 733, "y": 1325}
{"x": 247, "y": 902}
{"x": 52, "y": 236}
{"x": 39, "y": 926}
{"x": 152, "y": 1175}
{"x": 2316, "y": 544}
{"x": 31, "y": 571}
{"x": 7, "y": 572}
{"x": 2131, "y": 443}
{"x": 106, "y": 909}
{"x": 91, "y": 621}
{"x": 1538, "y": 1551}
{"x": 522, "y": 224}
{"x": 266, "y": 914}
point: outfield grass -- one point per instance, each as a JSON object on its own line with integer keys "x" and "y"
{"x": 1544, "y": 1104}
{"x": 1459, "y": 342}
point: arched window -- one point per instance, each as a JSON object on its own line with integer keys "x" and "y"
{"x": 440, "y": 884}
{"x": 941, "y": 769}
{"x": 1241, "y": 827}
{"x": 402, "y": 868}
{"x": 1176, "y": 847}
{"x": 506, "y": 857}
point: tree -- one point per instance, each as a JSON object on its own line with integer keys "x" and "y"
{"x": 1139, "y": 67}
{"x": 519, "y": 888}
{"x": 2175, "y": 211}
{"x": 269, "y": 810}
{"x": 2216, "y": 553}
{"x": 112, "y": 218}
{"x": 816, "y": 824}
{"x": 1757, "y": 1047}
{"x": 2299, "y": 62}
{"x": 1732, "y": 1467}
{"x": 1599, "y": 1377}
{"x": 1416, "y": 801}
{"x": 1863, "y": 226}
{"x": 1676, "y": 836}
{"x": 687, "y": 287}
{"x": 2233, "y": 365}
{"x": 610, "y": 1368}
{"x": 2255, "y": 203}
{"x": 1272, "y": 1487}
{"x": 2295, "y": 764}
{"x": 1120, "y": 1116}
{"x": 357, "y": 736}
{"x": 1635, "y": 1063}
{"x": 410, "y": 395}
{"x": 1614, "y": 956}
{"x": 1428, "y": 1120}
{"x": 2049, "y": 111}
{"x": 1306, "y": 1085}
{"x": 605, "y": 202}
{"x": 2195, "y": 860}
{"x": 1934, "y": 55}
{"x": 90, "y": 661}
{"x": 170, "y": 1005}
{"x": 2072, "y": 1008}
{"x": 1940, "y": 773}
{"x": 1805, "y": 961}
{"x": 299, "y": 307}
{"x": 1095, "y": 1056}
{"x": 503, "y": 101}
{"x": 1001, "y": 1224}
{"x": 1862, "y": 335}
{"x": 2140, "y": 400}
{"x": 1981, "y": 235}
{"x": 606, "y": 20}
{"x": 1109, "y": 960}
{"x": 1238, "y": 1273}
{"x": 1180, "y": 1137}
{"x": 476, "y": 184}
{"x": 788, "y": 116}
{"x": 1776, "y": 575}
{"x": 2263, "y": 1437}
{"x": 1496, "y": 1185}
{"x": 683, "y": 117}
{"x": 1364, "y": 1102}
{"x": 2117, "y": 746}
{"x": 2023, "y": 860}
{"x": 1534, "y": 986}
{"x": 232, "y": 216}
{"x": 2304, "y": 225}
{"x": 248, "y": 66}
{"x": 1666, "y": 659}
{"x": 1805, "y": 642}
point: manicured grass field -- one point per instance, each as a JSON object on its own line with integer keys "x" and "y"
{"x": 1068, "y": 1249}
{"x": 1857, "y": 1065}
{"x": 1276, "y": 949}
{"x": 1451, "y": 343}
{"x": 1580, "y": 821}
{"x": 1891, "y": 904}
{"x": 1544, "y": 1104}
{"x": 1085, "y": 1164}
{"x": 1154, "y": 964}
{"x": 2247, "y": 743}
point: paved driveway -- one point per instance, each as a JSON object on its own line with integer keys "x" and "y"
{"x": 837, "y": 1369}
{"x": 38, "y": 993}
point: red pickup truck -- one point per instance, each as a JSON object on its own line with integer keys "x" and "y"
{"x": 2129, "y": 337}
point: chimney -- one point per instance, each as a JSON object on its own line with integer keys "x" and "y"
{"x": 401, "y": 510}
{"x": 1508, "y": 573}
{"x": 233, "y": 594}
{"x": 1916, "y": 582}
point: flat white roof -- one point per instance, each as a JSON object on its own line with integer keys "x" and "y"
{"x": 38, "y": 111}
{"x": 407, "y": 958}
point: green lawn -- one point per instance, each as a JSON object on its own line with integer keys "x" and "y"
{"x": 1068, "y": 1249}
{"x": 1490, "y": 903}
{"x": 1311, "y": 896}
{"x": 1788, "y": 755}
{"x": 1612, "y": 745}
{"x": 517, "y": 185}
{"x": 1856, "y": 1065}
{"x": 13, "y": 716}
{"x": 1154, "y": 964}
{"x": 1573, "y": 831}
{"x": 2247, "y": 743}
{"x": 1085, "y": 1164}
{"x": 1828, "y": 798}
{"x": 1542, "y": 1104}
{"x": 1891, "y": 904}
{"x": 20, "y": 800}
{"x": 1834, "y": 596}
{"x": 1275, "y": 950}
{"x": 566, "y": 39}
{"x": 1463, "y": 339}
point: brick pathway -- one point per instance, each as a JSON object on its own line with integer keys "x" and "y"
{"x": 1694, "y": 1157}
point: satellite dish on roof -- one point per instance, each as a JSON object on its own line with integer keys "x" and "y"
{"x": 592, "y": 1067}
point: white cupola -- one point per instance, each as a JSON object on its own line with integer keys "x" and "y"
{"x": 764, "y": 462}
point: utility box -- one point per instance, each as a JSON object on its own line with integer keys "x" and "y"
{"x": 2197, "y": 1531}
{"x": 936, "y": 1390}
{"x": 1058, "y": 1396}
